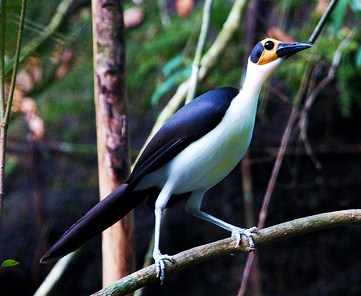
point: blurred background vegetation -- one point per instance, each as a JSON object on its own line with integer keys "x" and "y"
{"x": 51, "y": 177}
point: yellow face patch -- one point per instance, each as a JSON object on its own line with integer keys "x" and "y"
{"x": 269, "y": 51}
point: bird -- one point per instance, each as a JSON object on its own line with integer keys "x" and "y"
{"x": 193, "y": 151}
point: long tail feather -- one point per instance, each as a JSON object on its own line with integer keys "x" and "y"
{"x": 108, "y": 211}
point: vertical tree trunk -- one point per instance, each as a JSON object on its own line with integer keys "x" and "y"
{"x": 112, "y": 130}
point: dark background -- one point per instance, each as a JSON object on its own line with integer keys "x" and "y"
{"x": 48, "y": 188}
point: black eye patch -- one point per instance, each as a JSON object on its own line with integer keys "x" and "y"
{"x": 269, "y": 45}
{"x": 256, "y": 52}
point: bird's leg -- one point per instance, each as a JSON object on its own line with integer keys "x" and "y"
{"x": 193, "y": 207}
{"x": 158, "y": 257}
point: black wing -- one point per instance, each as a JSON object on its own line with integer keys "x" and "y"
{"x": 188, "y": 124}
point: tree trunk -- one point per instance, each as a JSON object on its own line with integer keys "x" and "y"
{"x": 112, "y": 130}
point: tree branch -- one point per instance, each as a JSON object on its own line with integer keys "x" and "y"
{"x": 227, "y": 246}
{"x": 303, "y": 118}
{"x": 322, "y": 21}
{"x": 198, "y": 55}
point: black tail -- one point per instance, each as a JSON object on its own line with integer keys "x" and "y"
{"x": 103, "y": 215}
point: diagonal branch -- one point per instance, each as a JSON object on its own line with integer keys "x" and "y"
{"x": 317, "y": 89}
{"x": 227, "y": 246}
{"x": 55, "y": 274}
{"x": 198, "y": 55}
{"x": 322, "y": 22}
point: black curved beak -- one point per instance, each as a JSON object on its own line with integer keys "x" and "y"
{"x": 288, "y": 49}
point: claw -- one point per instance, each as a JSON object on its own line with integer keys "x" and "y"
{"x": 160, "y": 265}
{"x": 238, "y": 232}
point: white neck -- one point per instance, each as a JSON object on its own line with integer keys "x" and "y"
{"x": 245, "y": 104}
{"x": 257, "y": 74}
{"x": 240, "y": 116}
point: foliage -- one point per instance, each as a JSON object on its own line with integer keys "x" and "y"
{"x": 348, "y": 82}
{"x": 9, "y": 263}
{"x": 176, "y": 70}
{"x": 151, "y": 46}
{"x": 348, "y": 72}
{"x": 346, "y": 15}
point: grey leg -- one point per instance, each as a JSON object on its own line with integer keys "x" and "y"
{"x": 193, "y": 207}
{"x": 159, "y": 259}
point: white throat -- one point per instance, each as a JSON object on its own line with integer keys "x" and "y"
{"x": 257, "y": 74}
{"x": 244, "y": 106}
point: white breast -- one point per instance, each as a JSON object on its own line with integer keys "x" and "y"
{"x": 211, "y": 158}
{"x": 207, "y": 161}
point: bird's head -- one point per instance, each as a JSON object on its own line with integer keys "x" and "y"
{"x": 268, "y": 54}
{"x": 269, "y": 50}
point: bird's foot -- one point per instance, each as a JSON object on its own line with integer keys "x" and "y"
{"x": 160, "y": 264}
{"x": 238, "y": 232}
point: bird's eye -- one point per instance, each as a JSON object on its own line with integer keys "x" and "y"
{"x": 269, "y": 45}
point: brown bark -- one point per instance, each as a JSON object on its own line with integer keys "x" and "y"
{"x": 112, "y": 129}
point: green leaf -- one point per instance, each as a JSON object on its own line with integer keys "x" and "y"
{"x": 11, "y": 163}
{"x": 173, "y": 64}
{"x": 9, "y": 263}
{"x": 170, "y": 82}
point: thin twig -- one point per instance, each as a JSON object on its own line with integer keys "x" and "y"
{"x": 228, "y": 246}
{"x": 331, "y": 148}
{"x": 199, "y": 51}
{"x": 322, "y": 21}
{"x": 2, "y": 56}
{"x": 324, "y": 82}
{"x": 163, "y": 13}
{"x": 16, "y": 63}
{"x": 314, "y": 93}
{"x": 5, "y": 117}
{"x": 54, "y": 275}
